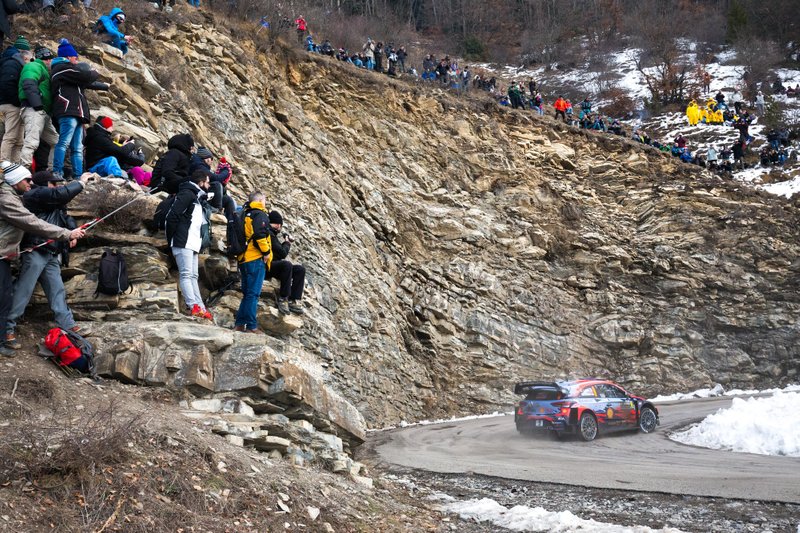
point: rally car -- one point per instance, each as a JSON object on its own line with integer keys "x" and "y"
{"x": 583, "y": 406}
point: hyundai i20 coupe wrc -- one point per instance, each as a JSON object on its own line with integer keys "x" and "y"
{"x": 583, "y": 406}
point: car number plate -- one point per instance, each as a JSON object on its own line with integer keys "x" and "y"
{"x": 539, "y": 423}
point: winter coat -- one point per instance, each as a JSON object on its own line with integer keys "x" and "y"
{"x": 280, "y": 250}
{"x": 15, "y": 220}
{"x": 738, "y": 151}
{"x": 198, "y": 164}
{"x": 99, "y": 145}
{"x": 172, "y": 168}
{"x": 369, "y": 50}
{"x": 185, "y": 219}
{"x": 560, "y": 105}
{"x": 7, "y": 7}
{"x": 69, "y": 83}
{"x": 258, "y": 235}
{"x": 50, "y": 203}
{"x": 34, "y": 86}
{"x": 109, "y": 28}
{"x": 11, "y": 64}
{"x": 711, "y": 155}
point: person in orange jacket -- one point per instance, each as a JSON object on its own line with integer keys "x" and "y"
{"x": 561, "y": 108}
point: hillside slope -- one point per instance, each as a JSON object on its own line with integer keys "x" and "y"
{"x": 454, "y": 247}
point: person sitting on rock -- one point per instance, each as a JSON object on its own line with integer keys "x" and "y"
{"x": 47, "y": 200}
{"x": 254, "y": 262}
{"x": 291, "y": 276}
{"x": 106, "y": 157}
{"x": 201, "y": 160}
{"x": 15, "y": 220}
{"x": 172, "y": 168}
{"x": 108, "y": 28}
{"x": 184, "y": 229}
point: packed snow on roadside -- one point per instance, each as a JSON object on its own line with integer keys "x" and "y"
{"x": 764, "y": 426}
{"x": 719, "y": 390}
{"x": 524, "y": 518}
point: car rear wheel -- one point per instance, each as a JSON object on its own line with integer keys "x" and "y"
{"x": 588, "y": 427}
{"x": 647, "y": 420}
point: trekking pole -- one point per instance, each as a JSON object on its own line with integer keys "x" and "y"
{"x": 87, "y": 226}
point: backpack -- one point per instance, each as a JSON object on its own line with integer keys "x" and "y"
{"x": 160, "y": 216}
{"x": 112, "y": 277}
{"x": 234, "y": 234}
{"x": 70, "y": 350}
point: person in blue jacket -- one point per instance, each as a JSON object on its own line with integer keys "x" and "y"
{"x": 108, "y": 28}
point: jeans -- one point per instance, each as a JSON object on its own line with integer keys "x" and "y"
{"x": 187, "y": 261}
{"x": 44, "y": 267}
{"x": 70, "y": 133}
{"x": 252, "y": 279}
{"x": 37, "y": 128}
{"x": 6, "y": 295}
{"x": 12, "y": 138}
{"x": 108, "y": 166}
{"x": 292, "y": 278}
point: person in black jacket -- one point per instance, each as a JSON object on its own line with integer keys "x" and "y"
{"x": 201, "y": 160}
{"x": 184, "y": 229}
{"x": 7, "y": 7}
{"x": 70, "y": 80}
{"x": 48, "y": 200}
{"x": 103, "y": 155}
{"x": 172, "y": 168}
{"x": 292, "y": 277}
{"x": 11, "y": 63}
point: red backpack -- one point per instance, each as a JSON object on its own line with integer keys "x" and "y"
{"x": 70, "y": 349}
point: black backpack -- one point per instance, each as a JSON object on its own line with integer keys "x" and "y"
{"x": 234, "y": 233}
{"x": 160, "y": 216}
{"x": 112, "y": 277}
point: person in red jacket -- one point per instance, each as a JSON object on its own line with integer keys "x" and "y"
{"x": 561, "y": 108}
{"x": 300, "y": 25}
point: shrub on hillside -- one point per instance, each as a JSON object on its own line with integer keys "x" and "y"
{"x": 107, "y": 198}
{"x": 620, "y": 103}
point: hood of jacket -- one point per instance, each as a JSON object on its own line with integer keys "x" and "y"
{"x": 194, "y": 188}
{"x": 182, "y": 142}
{"x": 58, "y": 61}
{"x": 114, "y": 12}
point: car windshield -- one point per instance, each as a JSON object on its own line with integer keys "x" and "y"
{"x": 544, "y": 394}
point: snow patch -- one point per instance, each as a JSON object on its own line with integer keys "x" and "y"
{"x": 719, "y": 390}
{"x": 523, "y": 518}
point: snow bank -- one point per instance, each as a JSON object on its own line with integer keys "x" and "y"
{"x": 523, "y": 518}
{"x": 765, "y": 426}
{"x": 718, "y": 390}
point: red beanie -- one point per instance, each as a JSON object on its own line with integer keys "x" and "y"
{"x": 106, "y": 122}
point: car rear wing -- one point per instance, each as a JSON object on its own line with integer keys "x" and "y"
{"x": 525, "y": 387}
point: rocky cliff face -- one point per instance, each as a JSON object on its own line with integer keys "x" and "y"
{"x": 454, "y": 247}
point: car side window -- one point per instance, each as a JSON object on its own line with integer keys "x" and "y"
{"x": 613, "y": 392}
{"x": 588, "y": 392}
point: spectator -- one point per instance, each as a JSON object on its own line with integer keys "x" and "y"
{"x": 202, "y": 160}
{"x": 292, "y": 277}
{"x": 680, "y": 141}
{"x": 760, "y": 103}
{"x": 254, "y": 262}
{"x": 184, "y": 230}
{"x": 172, "y": 168}
{"x": 379, "y": 57}
{"x": 12, "y": 61}
{"x": 106, "y": 157}
{"x": 738, "y": 153}
{"x": 300, "y": 28}
{"x": 401, "y": 58}
{"x": 369, "y": 53}
{"x": 560, "y": 106}
{"x": 47, "y": 200}
{"x": 36, "y": 99}
{"x": 711, "y": 157}
{"x": 532, "y": 87}
{"x": 14, "y": 221}
{"x": 70, "y": 80}
{"x": 7, "y": 8}
{"x": 706, "y": 82}
{"x": 108, "y": 28}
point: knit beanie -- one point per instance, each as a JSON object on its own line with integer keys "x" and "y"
{"x": 204, "y": 153}
{"x": 275, "y": 218}
{"x": 105, "y": 122}
{"x": 14, "y": 173}
{"x": 22, "y": 43}
{"x": 65, "y": 49}
{"x": 43, "y": 53}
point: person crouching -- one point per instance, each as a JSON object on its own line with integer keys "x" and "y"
{"x": 292, "y": 277}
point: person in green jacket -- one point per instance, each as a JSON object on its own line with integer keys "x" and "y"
{"x": 36, "y": 101}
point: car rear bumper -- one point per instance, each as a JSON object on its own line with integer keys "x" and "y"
{"x": 531, "y": 423}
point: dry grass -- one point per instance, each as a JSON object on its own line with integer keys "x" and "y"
{"x": 107, "y": 198}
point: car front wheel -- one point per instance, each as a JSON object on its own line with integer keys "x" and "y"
{"x": 647, "y": 420}
{"x": 588, "y": 427}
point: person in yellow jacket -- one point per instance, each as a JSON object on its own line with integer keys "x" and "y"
{"x": 254, "y": 262}
{"x": 692, "y": 113}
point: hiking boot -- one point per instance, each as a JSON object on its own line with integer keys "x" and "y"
{"x": 207, "y": 315}
{"x": 296, "y": 307}
{"x": 239, "y": 328}
{"x": 283, "y": 306}
{"x": 12, "y": 342}
{"x": 255, "y": 331}
{"x": 198, "y": 311}
{"x": 82, "y": 331}
{"x": 5, "y": 351}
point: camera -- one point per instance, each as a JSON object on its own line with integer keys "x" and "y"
{"x": 287, "y": 237}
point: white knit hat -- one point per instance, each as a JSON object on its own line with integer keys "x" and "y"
{"x": 14, "y": 173}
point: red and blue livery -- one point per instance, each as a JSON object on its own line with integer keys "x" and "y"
{"x": 584, "y": 407}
